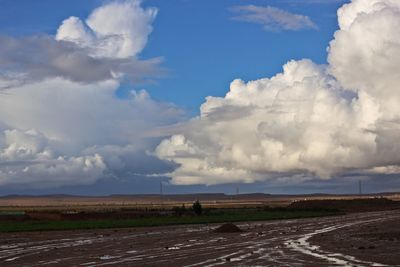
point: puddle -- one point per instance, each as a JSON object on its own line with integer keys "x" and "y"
{"x": 302, "y": 245}
{"x": 12, "y": 259}
{"x": 173, "y": 248}
{"x": 108, "y": 257}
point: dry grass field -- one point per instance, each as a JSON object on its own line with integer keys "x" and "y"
{"x": 116, "y": 202}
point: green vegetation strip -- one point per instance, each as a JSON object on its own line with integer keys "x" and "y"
{"x": 215, "y": 217}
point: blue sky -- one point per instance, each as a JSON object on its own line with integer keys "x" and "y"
{"x": 203, "y": 48}
{"x": 222, "y": 49}
{"x": 62, "y": 131}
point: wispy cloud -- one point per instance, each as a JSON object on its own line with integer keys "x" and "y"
{"x": 272, "y": 18}
{"x": 314, "y": 1}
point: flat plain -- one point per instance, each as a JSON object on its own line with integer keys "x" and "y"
{"x": 353, "y": 238}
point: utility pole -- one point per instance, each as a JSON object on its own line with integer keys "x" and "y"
{"x": 237, "y": 190}
{"x": 359, "y": 188}
{"x": 161, "y": 188}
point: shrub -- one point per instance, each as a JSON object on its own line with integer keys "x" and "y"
{"x": 179, "y": 211}
{"x": 197, "y": 208}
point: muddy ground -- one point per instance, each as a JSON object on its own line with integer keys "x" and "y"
{"x": 374, "y": 241}
{"x": 329, "y": 241}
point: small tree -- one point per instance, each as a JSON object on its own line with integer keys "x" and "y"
{"x": 179, "y": 211}
{"x": 197, "y": 208}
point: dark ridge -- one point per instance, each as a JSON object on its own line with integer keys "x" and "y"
{"x": 201, "y": 196}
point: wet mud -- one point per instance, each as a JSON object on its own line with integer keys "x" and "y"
{"x": 328, "y": 241}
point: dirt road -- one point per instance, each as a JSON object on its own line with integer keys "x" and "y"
{"x": 274, "y": 243}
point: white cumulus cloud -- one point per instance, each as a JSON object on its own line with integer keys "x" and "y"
{"x": 115, "y": 30}
{"x": 61, "y": 122}
{"x": 104, "y": 46}
{"x": 313, "y": 120}
{"x": 57, "y": 132}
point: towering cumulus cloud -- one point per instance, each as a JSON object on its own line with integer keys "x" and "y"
{"x": 60, "y": 121}
{"x": 309, "y": 120}
{"x": 119, "y": 29}
{"x": 104, "y": 46}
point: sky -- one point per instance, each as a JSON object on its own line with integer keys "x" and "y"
{"x": 113, "y": 97}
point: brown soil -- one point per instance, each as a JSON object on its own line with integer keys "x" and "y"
{"x": 261, "y": 244}
{"x": 376, "y": 241}
{"x": 228, "y": 228}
